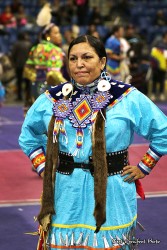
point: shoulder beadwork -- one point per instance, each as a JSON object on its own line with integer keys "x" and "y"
{"x": 81, "y": 107}
{"x": 119, "y": 97}
{"x": 55, "y": 93}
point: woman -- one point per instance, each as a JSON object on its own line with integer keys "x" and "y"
{"x": 93, "y": 202}
{"x": 45, "y": 63}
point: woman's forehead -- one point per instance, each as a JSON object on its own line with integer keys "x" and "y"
{"x": 82, "y": 48}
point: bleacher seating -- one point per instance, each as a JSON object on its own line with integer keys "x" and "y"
{"x": 142, "y": 15}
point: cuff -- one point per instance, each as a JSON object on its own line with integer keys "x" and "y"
{"x": 149, "y": 160}
{"x": 37, "y": 158}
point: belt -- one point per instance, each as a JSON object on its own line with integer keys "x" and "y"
{"x": 115, "y": 161}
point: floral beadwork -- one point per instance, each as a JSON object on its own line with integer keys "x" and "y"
{"x": 101, "y": 99}
{"x": 62, "y": 108}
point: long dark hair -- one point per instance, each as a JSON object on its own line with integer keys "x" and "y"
{"x": 94, "y": 42}
{"x": 98, "y": 155}
{"x": 98, "y": 142}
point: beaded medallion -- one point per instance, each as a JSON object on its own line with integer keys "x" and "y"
{"x": 81, "y": 112}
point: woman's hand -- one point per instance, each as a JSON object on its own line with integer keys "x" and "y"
{"x": 42, "y": 174}
{"x": 134, "y": 173}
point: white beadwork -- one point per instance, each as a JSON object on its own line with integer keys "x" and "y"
{"x": 95, "y": 244}
{"x": 67, "y": 241}
{"x": 79, "y": 241}
{"x": 103, "y": 85}
{"x": 62, "y": 241}
{"x": 53, "y": 241}
{"x": 67, "y": 89}
{"x": 85, "y": 243}
{"x": 106, "y": 244}
{"x": 72, "y": 243}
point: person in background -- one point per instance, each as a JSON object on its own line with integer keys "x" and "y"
{"x": 92, "y": 30}
{"x": 21, "y": 17}
{"x": 7, "y": 18}
{"x": 15, "y": 6}
{"x": 2, "y": 94}
{"x": 158, "y": 63}
{"x": 138, "y": 58}
{"x": 137, "y": 45}
{"x": 114, "y": 53}
{"x": 124, "y": 64}
{"x": 96, "y": 17}
{"x": 77, "y": 136}
{"x": 45, "y": 62}
{"x": 19, "y": 54}
{"x": 67, "y": 38}
{"x": 82, "y": 11}
{"x": 56, "y": 13}
{"x": 160, "y": 18}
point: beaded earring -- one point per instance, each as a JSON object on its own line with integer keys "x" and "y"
{"x": 104, "y": 83}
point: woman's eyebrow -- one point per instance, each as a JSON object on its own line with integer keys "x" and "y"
{"x": 83, "y": 54}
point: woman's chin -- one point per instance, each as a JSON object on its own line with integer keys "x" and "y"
{"x": 83, "y": 81}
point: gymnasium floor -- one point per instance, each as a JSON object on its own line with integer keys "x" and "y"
{"x": 20, "y": 189}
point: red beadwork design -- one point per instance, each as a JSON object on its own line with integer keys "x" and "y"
{"x": 82, "y": 111}
{"x": 149, "y": 161}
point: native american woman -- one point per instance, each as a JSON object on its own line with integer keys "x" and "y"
{"x": 80, "y": 135}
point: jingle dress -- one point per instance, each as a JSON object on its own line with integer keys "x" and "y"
{"x": 127, "y": 111}
{"x": 45, "y": 59}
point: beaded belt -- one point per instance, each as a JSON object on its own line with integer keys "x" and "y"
{"x": 115, "y": 161}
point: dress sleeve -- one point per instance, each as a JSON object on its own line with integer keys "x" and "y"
{"x": 33, "y": 137}
{"x": 151, "y": 123}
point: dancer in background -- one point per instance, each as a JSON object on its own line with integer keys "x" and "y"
{"x": 115, "y": 54}
{"x": 158, "y": 63}
{"x": 2, "y": 94}
{"x": 46, "y": 59}
{"x": 19, "y": 55}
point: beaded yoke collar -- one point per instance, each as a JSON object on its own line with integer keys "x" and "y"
{"x": 80, "y": 104}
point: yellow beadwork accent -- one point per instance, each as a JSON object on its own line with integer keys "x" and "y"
{"x": 93, "y": 228}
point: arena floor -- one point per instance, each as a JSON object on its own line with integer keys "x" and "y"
{"x": 20, "y": 190}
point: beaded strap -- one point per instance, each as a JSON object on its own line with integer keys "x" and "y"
{"x": 149, "y": 160}
{"x": 37, "y": 158}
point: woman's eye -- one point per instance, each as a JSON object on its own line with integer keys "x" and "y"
{"x": 87, "y": 57}
{"x": 72, "y": 59}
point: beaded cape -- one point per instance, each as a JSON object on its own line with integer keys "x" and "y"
{"x": 118, "y": 90}
{"x": 82, "y": 106}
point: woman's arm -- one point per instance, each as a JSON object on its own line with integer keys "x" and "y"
{"x": 33, "y": 137}
{"x": 151, "y": 123}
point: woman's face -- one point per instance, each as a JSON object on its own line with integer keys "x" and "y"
{"x": 84, "y": 63}
{"x": 55, "y": 36}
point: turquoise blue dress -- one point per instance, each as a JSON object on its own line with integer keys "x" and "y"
{"x": 74, "y": 223}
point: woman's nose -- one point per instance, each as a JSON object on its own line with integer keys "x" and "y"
{"x": 80, "y": 63}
